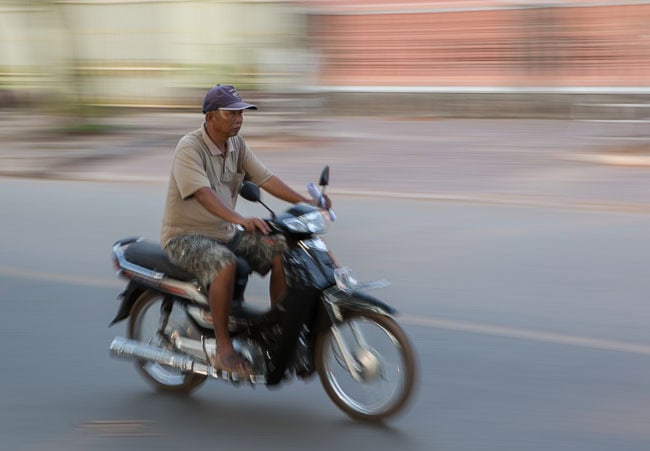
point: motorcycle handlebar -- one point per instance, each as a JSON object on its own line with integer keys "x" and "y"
{"x": 317, "y": 195}
{"x": 273, "y": 227}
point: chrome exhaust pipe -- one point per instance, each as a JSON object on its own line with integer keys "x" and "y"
{"x": 130, "y": 349}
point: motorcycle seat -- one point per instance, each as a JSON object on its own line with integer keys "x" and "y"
{"x": 149, "y": 254}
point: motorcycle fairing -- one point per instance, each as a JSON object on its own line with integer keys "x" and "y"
{"x": 308, "y": 268}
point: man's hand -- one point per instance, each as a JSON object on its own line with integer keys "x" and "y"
{"x": 253, "y": 224}
{"x": 315, "y": 203}
{"x": 328, "y": 201}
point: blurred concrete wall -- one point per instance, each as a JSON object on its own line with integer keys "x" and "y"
{"x": 452, "y": 57}
{"x": 149, "y": 52}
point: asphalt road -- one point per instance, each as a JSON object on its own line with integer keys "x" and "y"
{"x": 530, "y": 326}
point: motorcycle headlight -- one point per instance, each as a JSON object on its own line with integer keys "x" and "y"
{"x": 312, "y": 222}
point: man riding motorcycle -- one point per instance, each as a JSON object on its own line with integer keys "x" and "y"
{"x": 199, "y": 232}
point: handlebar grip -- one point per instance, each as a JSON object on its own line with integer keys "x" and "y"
{"x": 272, "y": 225}
{"x": 317, "y": 195}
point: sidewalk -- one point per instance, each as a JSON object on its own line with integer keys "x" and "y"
{"x": 38, "y": 146}
{"x": 573, "y": 164}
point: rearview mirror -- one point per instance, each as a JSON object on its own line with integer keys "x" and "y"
{"x": 250, "y": 191}
{"x": 324, "y": 176}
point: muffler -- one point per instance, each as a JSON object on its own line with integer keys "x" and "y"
{"x": 130, "y": 349}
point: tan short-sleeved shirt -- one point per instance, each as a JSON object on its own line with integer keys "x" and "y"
{"x": 199, "y": 163}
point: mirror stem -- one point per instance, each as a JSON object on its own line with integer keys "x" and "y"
{"x": 270, "y": 211}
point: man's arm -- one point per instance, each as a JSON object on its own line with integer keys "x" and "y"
{"x": 281, "y": 190}
{"x": 211, "y": 202}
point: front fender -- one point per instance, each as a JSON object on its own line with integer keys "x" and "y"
{"x": 129, "y": 296}
{"x": 351, "y": 301}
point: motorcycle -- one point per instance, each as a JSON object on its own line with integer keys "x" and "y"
{"x": 327, "y": 324}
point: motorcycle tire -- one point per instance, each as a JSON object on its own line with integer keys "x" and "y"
{"x": 372, "y": 363}
{"x": 160, "y": 376}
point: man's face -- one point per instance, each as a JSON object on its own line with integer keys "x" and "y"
{"x": 225, "y": 123}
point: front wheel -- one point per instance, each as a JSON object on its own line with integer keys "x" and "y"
{"x": 373, "y": 376}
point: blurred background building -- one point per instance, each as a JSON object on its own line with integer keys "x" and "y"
{"x": 446, "y": 56}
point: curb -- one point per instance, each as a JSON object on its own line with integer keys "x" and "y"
{"x": 611, "y": 159}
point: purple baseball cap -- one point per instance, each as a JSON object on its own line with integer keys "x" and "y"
{"x": 225, "y": 97}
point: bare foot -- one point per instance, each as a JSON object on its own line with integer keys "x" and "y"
{"x": 232, "y": 363}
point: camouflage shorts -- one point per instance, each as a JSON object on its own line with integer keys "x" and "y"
{"x": 205, "y": 257}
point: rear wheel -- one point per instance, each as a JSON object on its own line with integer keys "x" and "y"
{"x": 383, "y": 365}
{"x": 144, "y": 326}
